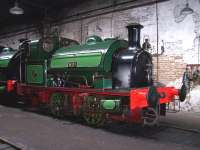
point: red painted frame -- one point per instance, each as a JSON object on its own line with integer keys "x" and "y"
{"x": 138, "y": 97}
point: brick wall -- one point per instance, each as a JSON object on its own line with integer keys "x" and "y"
{"x": 169, "y": 69}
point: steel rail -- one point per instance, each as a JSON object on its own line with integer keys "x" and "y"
{"x": 5, "y": 144}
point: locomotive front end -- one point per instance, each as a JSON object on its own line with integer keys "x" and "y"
{"x": 132, "y": 70}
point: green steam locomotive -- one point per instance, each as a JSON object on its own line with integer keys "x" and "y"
{"x": 98, "y": 80}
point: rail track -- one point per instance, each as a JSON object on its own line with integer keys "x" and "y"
{"x": 6, "y": 145}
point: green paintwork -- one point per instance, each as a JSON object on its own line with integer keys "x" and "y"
{"x": 110, "y": 104}
{"x": 87, "y": 60}
{"x": 102, "y": 83}
{"x": 38, "y": 51}
{"x": 5, "y": 57}
{"x": 2, "y": 75}
{"x": 2, "y": 88}
{"x": 2, "y": 81}
{"x": 35, "y": 74}
{"x": 92, "y": 58}
{"x": 4, "y": 63}
{"x": 80, "y": 60}
{"x": 97, "y": 55}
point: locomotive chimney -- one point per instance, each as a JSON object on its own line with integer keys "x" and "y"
{"x": 134, "y": 36}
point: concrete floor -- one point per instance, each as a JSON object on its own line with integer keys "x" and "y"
{"x": 33, "y": 131}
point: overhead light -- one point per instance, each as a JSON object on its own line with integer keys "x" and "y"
{"x": 187, "y": 10}
{"x": 16, "y": 10}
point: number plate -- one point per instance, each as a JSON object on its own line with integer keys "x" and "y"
{"x": 72, "y": 64}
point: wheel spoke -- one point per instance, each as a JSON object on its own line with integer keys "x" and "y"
{"x": 57, "y": 104}
{"x": 92, "y": 112}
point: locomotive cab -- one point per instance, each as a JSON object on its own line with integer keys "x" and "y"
{"x": 32, "y": 58}
{"x": 132, "y": 67}
{"x": 6, "y": 54}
